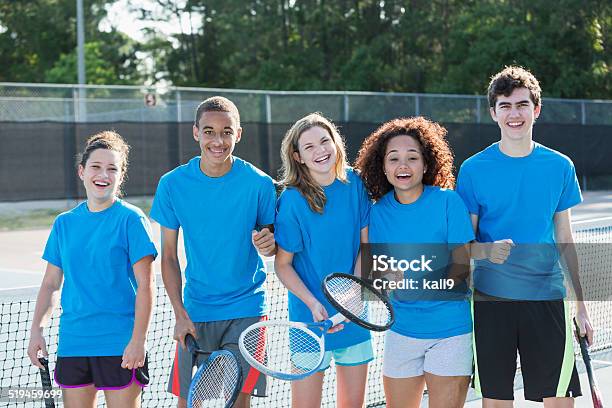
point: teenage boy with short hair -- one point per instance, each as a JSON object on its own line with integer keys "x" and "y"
{"x": 219, "y": 200}
{"x": 519, "y": 194}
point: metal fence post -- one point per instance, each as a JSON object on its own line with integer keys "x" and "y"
{"x": 82, "y": 96}
{"x": 179, "y": 108}
{"x": 583, "y": 122}
{"x": 268, "y": 109}
{"x": 67, "y": 103}
{"x": 417, "y": 105}
{"x": 79, "y": 97}
{"x": 269, "y": 159}
{"x": 75, "y": 104}
{"x": 346, "y": 107}
{"x": 179, "y": 120}
{"x": 478, "y": 107}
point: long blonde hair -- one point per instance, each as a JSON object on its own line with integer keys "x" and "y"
{"x": 295, "y": 174}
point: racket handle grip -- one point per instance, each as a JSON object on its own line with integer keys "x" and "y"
{"x": 191, "y": 344}
{"x": 337, "y": 319}
{"x": 582, "y": 342}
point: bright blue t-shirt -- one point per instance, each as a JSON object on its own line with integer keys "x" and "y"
{"x": 516, "y": 198}
{"x": 438, "y": 216}
{"x": 96, "y": 252}
{"x": 323, "y": 244}
{"x": 224, "y": 275}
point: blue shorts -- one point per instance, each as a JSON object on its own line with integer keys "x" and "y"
{"x": 357, "y": 354}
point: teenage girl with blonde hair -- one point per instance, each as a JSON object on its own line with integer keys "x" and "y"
{"x": 322, "y": 217}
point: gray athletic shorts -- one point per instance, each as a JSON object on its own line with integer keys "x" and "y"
{"x": 212, "y": 336}
{"x": 406, "y": 357}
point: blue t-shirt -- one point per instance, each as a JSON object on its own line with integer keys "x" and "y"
{"x": 438, "y": 216}
{"x": 224, "y": 275}
{"x": 323, "y": 244}
{"x": 516, "y": 198}
{"x": 96, "y": 252}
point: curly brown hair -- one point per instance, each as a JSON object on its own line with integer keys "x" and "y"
{"x": 437, "y": 155}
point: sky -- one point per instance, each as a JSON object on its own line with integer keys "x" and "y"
{"x": 120, "y": 17}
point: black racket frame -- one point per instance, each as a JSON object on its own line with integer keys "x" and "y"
{"x": 363, "y": 283}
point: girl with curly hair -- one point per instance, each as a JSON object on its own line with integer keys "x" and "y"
{"x": 321, "y": 219}
{"x": 406, "y": 165}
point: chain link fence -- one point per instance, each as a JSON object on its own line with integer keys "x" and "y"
{"x": 101, "y": 104}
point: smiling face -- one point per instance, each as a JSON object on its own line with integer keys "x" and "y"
{"x": 318, "y": 152}
{"x": 217, "y": 134}
{"x": 102, "y": 176}
{"x": 515, "y": 114}
{"x": 404, "y": 164}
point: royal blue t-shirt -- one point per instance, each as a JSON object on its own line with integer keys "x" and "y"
{"x": 516, "y": 198}
{"x": 438, "y": 216}
{"x": 96, "y": 252}
{"x": 322, "y": 244}
{"x": 224, "y": 273}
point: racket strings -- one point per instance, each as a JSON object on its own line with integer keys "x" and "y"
{"x": 284, "y": 349}
{"x": 359, "y": 301}
{"x": 217, "y": 382}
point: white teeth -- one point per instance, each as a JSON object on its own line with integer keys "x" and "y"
{"x": 403, "y": 175}
{"x": 101, "y": 183}
{"x": 322, "y": 159}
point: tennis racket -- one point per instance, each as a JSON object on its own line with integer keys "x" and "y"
{"x": 358, "y": 301}
{"x": 45, "y": 379}
{"x": 584, "y": 350}
{"x": 218, "y": 379}
{"x": 286, "y": 350}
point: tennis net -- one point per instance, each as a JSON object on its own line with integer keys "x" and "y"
{"x": 18, "y": 307}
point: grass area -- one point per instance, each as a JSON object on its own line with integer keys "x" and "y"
{"x": 43, "y": 218}
{"x": 28, "y": 220}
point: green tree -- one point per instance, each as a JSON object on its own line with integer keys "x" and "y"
{"x": 38, "y": 41}
{"x": 448, "y": 46}
{"x": 99, "y": 70}
{"x": 562, "y": 43}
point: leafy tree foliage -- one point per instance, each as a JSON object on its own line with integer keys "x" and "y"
{"x": 38, "y": 44}
{"x": 391, "y": 45}
{"x": 449, "y": 46}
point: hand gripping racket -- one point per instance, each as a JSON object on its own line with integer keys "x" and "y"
{"x": 293, "y": 350}
{"x": 45, "y": 379}
{"x": 286, "y": 350}
{"x": 584, "y": 350}
{"x": 359, "y": 301}
{"x": 218, "y": 379}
